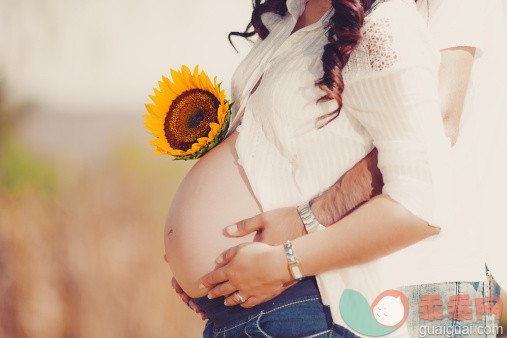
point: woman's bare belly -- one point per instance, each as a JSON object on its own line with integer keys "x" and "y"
{"x": 214, "y": 194}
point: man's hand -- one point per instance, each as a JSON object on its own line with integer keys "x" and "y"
{"x": 184, "y": 297}
{"x": 273, "y": 227}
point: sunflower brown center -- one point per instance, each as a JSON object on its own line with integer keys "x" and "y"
{"x": 189, "y": 118}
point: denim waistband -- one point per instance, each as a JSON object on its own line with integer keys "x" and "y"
{"x": 222, "y": 315}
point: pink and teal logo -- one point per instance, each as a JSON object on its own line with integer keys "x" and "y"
{"x": 385, "y": 315}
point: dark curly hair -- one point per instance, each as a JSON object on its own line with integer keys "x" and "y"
{"x": 343, "y": 32}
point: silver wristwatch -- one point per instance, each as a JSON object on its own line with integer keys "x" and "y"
{"x": 311, "y": 223}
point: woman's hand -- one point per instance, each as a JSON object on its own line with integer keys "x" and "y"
{"x": 257, "y": 271}
{"x": 273, "y": 227}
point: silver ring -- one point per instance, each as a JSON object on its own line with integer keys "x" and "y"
{"x": 240, "y": 297}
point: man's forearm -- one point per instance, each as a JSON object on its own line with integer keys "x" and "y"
{"x": 356, "y": 186}
{"x": 364, "y": 180}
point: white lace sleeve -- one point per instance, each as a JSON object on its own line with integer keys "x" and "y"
{"x": 395, "y": 98}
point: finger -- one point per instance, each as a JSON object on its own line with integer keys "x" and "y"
{"x": 245, "y": 227}
{"x": 223, "y": 289}
{"x": 251, "y": 302}
{"x": 195, "y": 307}
{"x": 184, "y": 297}
{"x": 226, "y": 256}
{"x": 214, "y": 277}
{"x": 176, "y": 286}
{"x": 233, "y": 300}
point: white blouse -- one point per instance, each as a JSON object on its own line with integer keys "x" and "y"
{"x": 390, "y": 102}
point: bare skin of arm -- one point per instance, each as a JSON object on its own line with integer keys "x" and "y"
{"x": 364, "y": 181}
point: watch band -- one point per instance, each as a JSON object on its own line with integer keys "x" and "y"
{"x": 294, "y": 265}
{"x": 309, "y": 220}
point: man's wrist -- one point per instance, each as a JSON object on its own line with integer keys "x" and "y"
{"x": 310, "y": 221}
{"x": 325, "y": 215}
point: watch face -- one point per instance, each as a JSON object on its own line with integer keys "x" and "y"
{"x": 296, "y": 271}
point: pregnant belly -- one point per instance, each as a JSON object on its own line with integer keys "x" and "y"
{"x": 214, "y": 194}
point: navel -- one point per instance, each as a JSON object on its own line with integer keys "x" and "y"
{"x": 170, "y": 234}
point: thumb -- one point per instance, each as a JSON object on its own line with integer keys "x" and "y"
{"x": 227, "y": 256}
{"x": 245, "y": 227}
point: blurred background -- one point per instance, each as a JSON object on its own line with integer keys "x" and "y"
{"x": 82, "y": 200}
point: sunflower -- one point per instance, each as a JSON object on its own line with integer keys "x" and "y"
{"x": 188, "y": 116}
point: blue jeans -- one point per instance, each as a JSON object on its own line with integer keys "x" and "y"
{"x": 297, "y": 312}
{"x": 300, "y": 317}
{"x": 449, "y": 323}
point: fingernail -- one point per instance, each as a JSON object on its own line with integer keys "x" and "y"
{"x": 219, "y": 260}
{"x": 232, "y": 229}
{"x": 226, "y": 302}
{"x": 201, "y": 286}
{"x": 210, "y": 296}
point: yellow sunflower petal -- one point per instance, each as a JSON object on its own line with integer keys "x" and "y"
{"x": 161, "y": 94}
{"x": 161, "y": 102}
{"x": 172, "y": 88}
{"x": 203, "y": 140}
{"x": 167, "y": 81}
{"x": 214, "y": 130}
{"x": 200, "y": 82}
{"x": 154, "y": 110}
{"x": 161, "y": 143}
{"x": 214, "y": 126}
{"x": 176, "y": 152}
{"x": 207, "y": 85}
{"x": 157, "y": 133}
{"x": 152, "y": 127}
{"x": 222, "y": 112}
{"x": 186, "y": 78}
{"x": 195, "y": 147}
{"x": 194, "y": 79}
{"x": 154, "y": 120}
{"x": 179, "y": 82}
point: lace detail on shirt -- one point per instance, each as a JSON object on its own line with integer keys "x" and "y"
{"x": 380, "y": 45}
{"x": 376, "y": 51}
